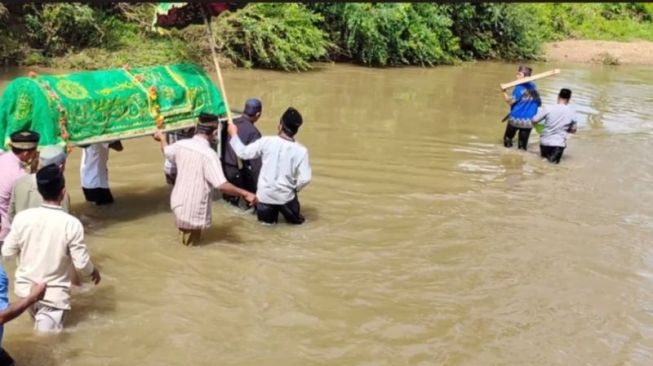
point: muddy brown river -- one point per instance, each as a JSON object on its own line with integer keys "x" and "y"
{"x": 426, "y": 242}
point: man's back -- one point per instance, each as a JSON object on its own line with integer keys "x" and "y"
{"x": 46, "y": 239}
{"x": 285, "y": 169}
{"x": 198, "y": 171}
{"x": 558, "y": 119}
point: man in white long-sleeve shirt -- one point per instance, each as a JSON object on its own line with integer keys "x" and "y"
{"x": 285, "y": 169}
{"x": 46, "y": 239}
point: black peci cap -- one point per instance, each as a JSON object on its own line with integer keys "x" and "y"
{"x": 25, "y": 140}
{"x": 50, "y": 181}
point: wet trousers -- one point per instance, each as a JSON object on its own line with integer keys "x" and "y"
{"x": 270, "y": 213}
{"x": 522, "y": 139}
{"x": 552, "y": 153}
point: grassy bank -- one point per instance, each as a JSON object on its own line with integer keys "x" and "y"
{"x": 292, "y": 36}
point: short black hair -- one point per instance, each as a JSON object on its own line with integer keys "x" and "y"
{"x": 291, "y": 120}
{"x": 50, "y": 182}
{"x": 564, "y": 94}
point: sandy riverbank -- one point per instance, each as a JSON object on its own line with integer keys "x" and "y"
{"x": 601, "y": 52}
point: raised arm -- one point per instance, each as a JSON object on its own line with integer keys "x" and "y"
{"x": 251, "y": 151}
{"x": 161, "y": 138}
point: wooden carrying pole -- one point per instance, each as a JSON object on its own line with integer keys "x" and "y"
{"x": 530, "y": 78}
{"x": 217, "y": 65}
{"x": 223, "y": 91}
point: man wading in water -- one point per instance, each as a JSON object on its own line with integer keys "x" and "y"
{"x": 198, "y": 173}
{"x": 523, "y": 105}
{"x": 243, "y": 173}
{"x": 46, "y": 239}
{"x": 559, "y": 119}
{"x": 285, "y": 169}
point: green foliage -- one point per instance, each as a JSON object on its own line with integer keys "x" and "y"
{"x": 277, "y": 36}
{"x": 390, "y": 34}
{"x": 11, "y": 49}
{"x": 489, "y": 31}
{"x": 604, "y": 21}
{"x": 291, "y": 36}
{"x": 147, "y": 52}
{"x": 57, "y": 28}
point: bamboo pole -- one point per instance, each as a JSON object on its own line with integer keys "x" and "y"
{"x": 530, "y": 78}
{"x": 217, "y": 65}
{"x": 223, "y": 91}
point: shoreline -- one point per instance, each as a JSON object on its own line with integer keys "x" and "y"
{"x": 600, "y": 52}
{"x": 595, "y": 52}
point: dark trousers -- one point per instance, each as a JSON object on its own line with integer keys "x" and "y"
{"x": 270, "y": 213}
{"x": 241, "y": 178}
{"x": 522, "y": 140}
{"x": 5, "y": 359}
{"x": 552, "y": 153}
{"x": 99, "y": 196}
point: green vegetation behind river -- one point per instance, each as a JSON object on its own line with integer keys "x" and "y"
{"x": 290, "y": 36}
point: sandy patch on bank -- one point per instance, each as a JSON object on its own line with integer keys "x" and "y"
{"x": 601, "y": 52}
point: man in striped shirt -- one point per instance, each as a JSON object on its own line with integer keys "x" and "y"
{"x": 198, "y": 173}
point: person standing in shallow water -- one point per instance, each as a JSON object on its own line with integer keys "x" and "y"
{"x": 243, "y": 173}
{"x": 559, "y": 119}
{"x": 13, "y": 165}
{"x": 285, "y": 170}
{"x": 95, "y": 172}
{"x": 46, "y": 240}
{"x": 523, "y": 102}
{"x": 198, "y": 173}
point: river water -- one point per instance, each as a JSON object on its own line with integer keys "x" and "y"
{"x": 426, "y": 242}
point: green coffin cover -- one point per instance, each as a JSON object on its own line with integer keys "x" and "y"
{"x": 98, "y": 105}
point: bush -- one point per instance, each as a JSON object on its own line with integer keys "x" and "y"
{"x": 275, "y": 36}
{"x": 57, "y": 28}
{"x": 290, "y": 36}
{"x": 607, "y": 21}
{"x": 11, "y": 49}
{"x": 489, "y": 31}
{"x": 390, "y": 34}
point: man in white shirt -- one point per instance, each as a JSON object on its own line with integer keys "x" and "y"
{"x": 47, "y": 239}
{"x": 95, "y": 174}
{"x": 284, "y": 172}
{"x": 559, "y": 119}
